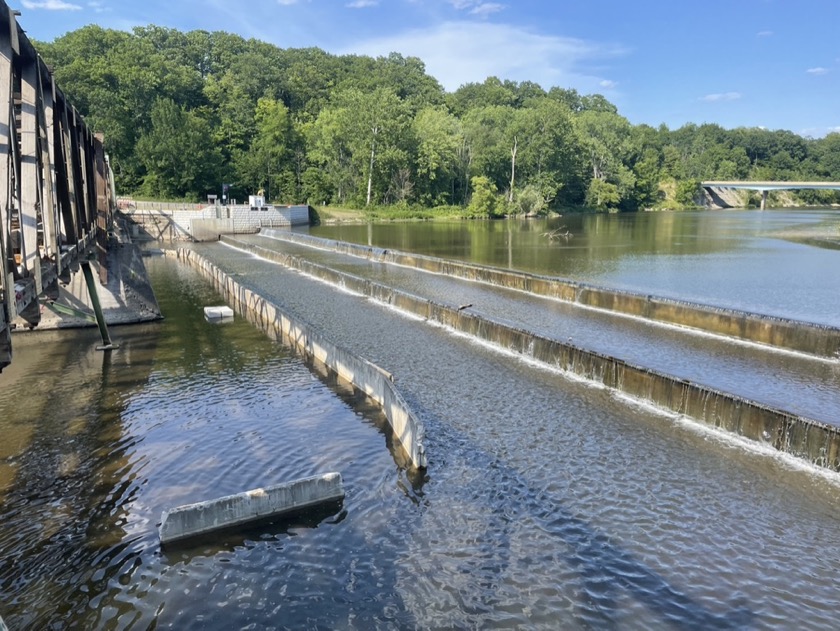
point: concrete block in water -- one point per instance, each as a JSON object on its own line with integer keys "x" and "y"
{"x": 201, "y": 518}
{"x": 216, "y": 313}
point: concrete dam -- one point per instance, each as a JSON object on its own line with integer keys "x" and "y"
{"x": 424, "y": 287}
{"x": 638, "y": 475}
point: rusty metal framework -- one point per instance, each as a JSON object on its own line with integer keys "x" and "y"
{"x": 56, "y": 193}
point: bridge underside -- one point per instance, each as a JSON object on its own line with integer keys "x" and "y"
{"x": 56, "y": 201}
{"x": 766, "y": 187}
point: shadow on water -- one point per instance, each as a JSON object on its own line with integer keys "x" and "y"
{"x": 68, "y": 516}
{"x": 604, "y": 572}
{"x": 82, "y": 564}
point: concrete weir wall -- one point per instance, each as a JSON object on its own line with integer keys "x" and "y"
{"x": 366, "y": 376}
{"x": 801, "y": 437}
{"x": 803, "y": 337}
{"x": 193, "y": 520}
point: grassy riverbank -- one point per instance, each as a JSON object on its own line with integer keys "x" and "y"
{"x": 340, "y": 214}
{"x": 337, "y": 214}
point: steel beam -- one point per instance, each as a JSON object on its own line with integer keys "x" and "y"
{"x": 56, "y": 189}
{"x": 8, "y": 137}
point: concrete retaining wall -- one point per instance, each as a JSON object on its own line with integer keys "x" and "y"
{"x": 804, "y": 438}
{"x": 210, "y": 229}
{"x": 207, "y": 223}
{"x": 366, "y": 376}
{"x": 247, "y": 219}
{"x": 804, "y": 337}
{"x": 126, "y": 295}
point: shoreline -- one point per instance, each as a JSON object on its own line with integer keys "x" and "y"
{"x": 825, "y": 234}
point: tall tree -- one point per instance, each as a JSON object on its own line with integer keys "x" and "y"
{"x": 178, "y": 154}
{"x": 439, "y": 138}
{"x": 268, "y": 158}
{"x": 374, "y": 128}
{"x": 606, "y": 139}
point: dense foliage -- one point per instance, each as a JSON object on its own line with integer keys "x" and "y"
{"x": 185, "y": 112}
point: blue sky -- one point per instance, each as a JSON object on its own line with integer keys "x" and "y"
{"x": 755, "y": 63}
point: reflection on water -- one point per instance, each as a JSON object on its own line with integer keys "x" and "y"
{"x": 734, "y": 259}
{"x": 95, "y": 445}
{"x": 547, "y": 504}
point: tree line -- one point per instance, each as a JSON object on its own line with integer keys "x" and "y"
{"x": 185, "y": 113}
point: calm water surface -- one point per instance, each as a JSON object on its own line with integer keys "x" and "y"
{"x": 732, "y": 258}
{"x": 547, "y": 503}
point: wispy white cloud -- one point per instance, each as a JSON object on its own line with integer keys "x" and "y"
{"x": 818, "y": 132}
{"x": 817, "y": 71}
{"x": 609, "y": 84}
{"x": 478, "y": 7}
{"x": 487, "y": 8}
{"x": 51, "y": 5}
{"x": 724, "y": 96}
{"x": 287, "y": 3}
{"x": 764, "y": 34}
{"x": 98, "y": 7}
{"x": 362, "y": 4}
{"x": 462, "y": 52}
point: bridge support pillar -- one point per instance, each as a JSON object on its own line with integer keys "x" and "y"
{"x": 764, "y": 199}
{"x": 107, "y": 345}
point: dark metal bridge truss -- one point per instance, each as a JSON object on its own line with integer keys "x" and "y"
{"x": 56, "y": 191}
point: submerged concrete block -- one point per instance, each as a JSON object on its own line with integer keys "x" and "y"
{"x": 201, "y": 518}
{"x": 215, "y": 313}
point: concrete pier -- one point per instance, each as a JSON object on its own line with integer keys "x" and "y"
{"x": 808, "y": 439}
{"x": 192, "y": 520}
{"x": 804, "y": 337}
{"x": 366, "y": 376}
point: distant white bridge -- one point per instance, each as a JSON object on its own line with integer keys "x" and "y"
{"x": 766, "y": 187}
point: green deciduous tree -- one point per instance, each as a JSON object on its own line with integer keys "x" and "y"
{"x": 363, "y": 130}
{"x": 439, "y": 139}
{"x": 602, "y": 195}
{"x": 607, "y": 143}
{"x": 268, "y": 159}
{"x": 485, "y": 202}
{"x": 375, "y": 129}
{"x": 178, "y": 154}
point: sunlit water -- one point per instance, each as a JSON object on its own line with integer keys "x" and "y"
{"x": 733, "y": 258}
{"x": 547, "y": 503}
{"x": 793, "y": 382}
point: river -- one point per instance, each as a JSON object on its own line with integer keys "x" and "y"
{"x": 548, "y": 503}
{"x": 734, "y": 258}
